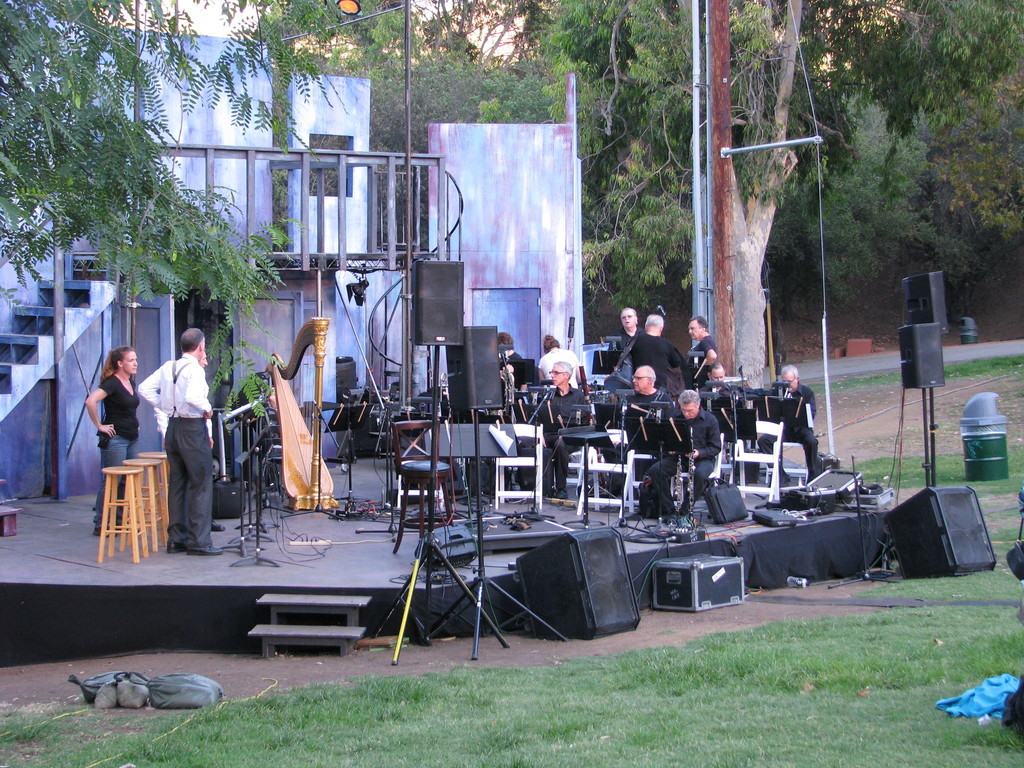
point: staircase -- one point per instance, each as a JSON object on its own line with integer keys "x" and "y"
{"x": 344, "y": 607}
{"x": 27, "y": 354}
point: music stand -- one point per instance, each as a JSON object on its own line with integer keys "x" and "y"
{"x": 347, "y": 417}
{"x": 587, "y": 437}
{"x": 659, "y": 435}
{"x": 261, "y": 445}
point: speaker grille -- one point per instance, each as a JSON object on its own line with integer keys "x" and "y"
{"x": 580, "y": 584}
{"x": 437, "y": 288}
{"x": 941, "y": 532}
{"x": 921, "y": 363}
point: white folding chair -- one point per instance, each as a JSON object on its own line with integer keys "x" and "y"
{"x": 798, "y": 470}
{"x": 770, "y": 461}
{"x": 501, "y": 493}
{"x": 597, "y": 465}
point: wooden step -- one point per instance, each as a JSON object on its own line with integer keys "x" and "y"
{"x": 274, "y": 635}
{"x": 37, "y": 321}
{"x": 347, "y": 606}
{"x": 76, "y": 293}
{"x": 18, "y": 348}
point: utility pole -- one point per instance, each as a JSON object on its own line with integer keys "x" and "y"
{"x": 722, "y": 183}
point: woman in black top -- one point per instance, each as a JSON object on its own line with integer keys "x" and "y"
{"x": 118, "y": 430}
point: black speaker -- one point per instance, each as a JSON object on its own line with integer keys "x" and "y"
{"x": 474, "y": 376}
{"x": 921, "y": 364}
{"x": 941, "y": 532}
{"x": 924, "y": 300}
{"x": 580, "y": 584}
{"x": 345, "y": 375}
{"x": 437, "y": 306}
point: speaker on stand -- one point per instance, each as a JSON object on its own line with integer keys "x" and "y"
{"x": 921, "y": 364}
{"x": 941, "y": 532}
{"x": 474, "y": 375}
{"x": 437, "y": 307}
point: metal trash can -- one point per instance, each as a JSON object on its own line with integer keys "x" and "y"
{"x": 983, "y": 431}
{"x": 968, "y": 331}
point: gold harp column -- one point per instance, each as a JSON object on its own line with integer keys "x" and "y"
{"x": 315, "y": 498}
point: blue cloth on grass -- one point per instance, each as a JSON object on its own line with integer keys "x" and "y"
{"x": 987, "y": 699}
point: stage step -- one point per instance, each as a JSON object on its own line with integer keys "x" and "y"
{"x": 274, "y": 635}
{"x": 347, "y": 606}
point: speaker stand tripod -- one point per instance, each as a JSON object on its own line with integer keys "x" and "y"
{"x": 865, "y": 574}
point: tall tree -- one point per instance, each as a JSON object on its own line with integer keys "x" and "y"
{"x": 83, "y": 131}
{"x": 911, "y": 58}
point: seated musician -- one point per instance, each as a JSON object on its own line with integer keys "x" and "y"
{"x": 645, "y": 394}
{"x": 706, "y": 438}
{"x": 797, "y": 433}
{"x": 716, "y": 385}
{"x": 557, "y": 411}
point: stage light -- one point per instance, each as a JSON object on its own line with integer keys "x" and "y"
{"x": 357, "y": 291}
{"x": 348, "y": 7}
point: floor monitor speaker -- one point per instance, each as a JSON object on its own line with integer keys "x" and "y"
{"x": 580, "y": 584}
{"x": 924, "y": 298}
{"x": 437, "y": 306}
{"x": 474, "y": 376}
{"x": 921, "y": 365}
{"x": 941, "y": 532}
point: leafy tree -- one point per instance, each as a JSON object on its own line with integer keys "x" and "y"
{"x": 633, "y": 59}
{"x": 82, "y": 134}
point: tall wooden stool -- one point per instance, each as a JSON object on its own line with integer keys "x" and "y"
{"x": 412, "y": 467}
{"x": 152, "y": 499}
{"x": 130, "y": 507}
{"x": 165, "y": 483}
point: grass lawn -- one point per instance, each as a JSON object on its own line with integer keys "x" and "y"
{"x": 848, "y": 692}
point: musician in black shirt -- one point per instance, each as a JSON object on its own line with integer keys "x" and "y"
{"x": 706, "y": 438}
{"x": 559, "y": 409}
{"x": 803, "y": 431}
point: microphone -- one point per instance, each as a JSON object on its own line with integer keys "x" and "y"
{"x": 661, "y": 309}
{"x": 572, "y": 325}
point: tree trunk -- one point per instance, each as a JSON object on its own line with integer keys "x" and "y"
{"x": 753, "y": 219}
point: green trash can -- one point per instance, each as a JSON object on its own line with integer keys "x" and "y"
{"x": 968, "y": 331}
{"x": 983, "y": 431}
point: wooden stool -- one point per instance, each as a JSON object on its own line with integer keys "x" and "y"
{"x": 130, "y": 507}
{"x": 412, "y": 467}
{"x": 165, "y": 484}
{"x": 152, "y": 499}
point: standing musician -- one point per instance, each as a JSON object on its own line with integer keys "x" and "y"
{"x": 556, "y": 411}
{"x": 801, "y": 433}
{"x": 656, "y": 351}
{"x": 700, "y": 364}
{"x": 706, "y": 438}
{"x": 179, "y": 393}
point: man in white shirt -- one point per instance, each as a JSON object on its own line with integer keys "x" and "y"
{"x": 180, "y": 394}
{"x": 553, "y": 353}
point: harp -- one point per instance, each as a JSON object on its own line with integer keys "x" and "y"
{"x": 307, "y": 482}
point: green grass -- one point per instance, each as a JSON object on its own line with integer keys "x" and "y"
{"x": 852, "y": 692}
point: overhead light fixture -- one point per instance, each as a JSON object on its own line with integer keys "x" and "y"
{"x": 348, "y": 7}
{"x": 357, "y": 291}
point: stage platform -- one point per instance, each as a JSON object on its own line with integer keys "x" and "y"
{"x": 58, "y": 603}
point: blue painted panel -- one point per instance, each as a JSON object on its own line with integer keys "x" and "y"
{"x": 515, "y": 310}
